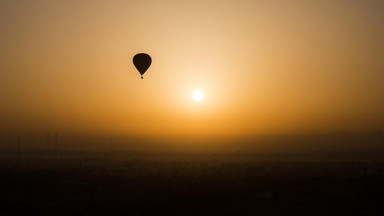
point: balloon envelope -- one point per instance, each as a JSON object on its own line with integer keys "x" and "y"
{"x": 142, "y": 61}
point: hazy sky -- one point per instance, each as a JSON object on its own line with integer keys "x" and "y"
{"x": 263, "y": 66}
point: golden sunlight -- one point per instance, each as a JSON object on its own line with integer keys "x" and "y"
{"x": 197, "y": 95}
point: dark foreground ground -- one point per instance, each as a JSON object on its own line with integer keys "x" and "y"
{"x": 133, "y": 186}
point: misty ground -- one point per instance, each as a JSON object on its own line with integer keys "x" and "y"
{"x": 111, "y": 184}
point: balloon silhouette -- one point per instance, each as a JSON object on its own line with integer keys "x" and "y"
{"x": 142, "y": 61}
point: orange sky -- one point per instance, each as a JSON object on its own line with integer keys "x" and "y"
{"x": 264, "y": 66}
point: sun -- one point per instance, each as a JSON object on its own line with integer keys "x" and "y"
{"x": 197, "y": 95}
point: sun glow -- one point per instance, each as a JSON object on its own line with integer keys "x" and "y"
{"x": 197, "y": 95}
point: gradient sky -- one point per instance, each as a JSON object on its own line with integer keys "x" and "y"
{"x": 264, "y": 66}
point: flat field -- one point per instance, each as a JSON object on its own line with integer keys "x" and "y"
{"x": 97, "y": 184}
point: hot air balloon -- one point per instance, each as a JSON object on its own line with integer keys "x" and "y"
{"x": 142, "y": 61}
